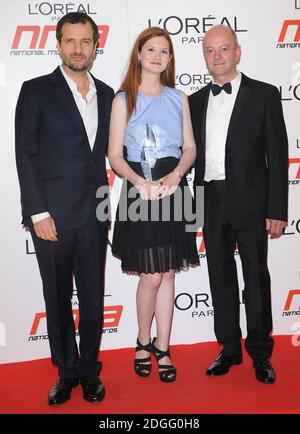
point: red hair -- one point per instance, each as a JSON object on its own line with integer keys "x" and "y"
{"x": 132, "y": 80}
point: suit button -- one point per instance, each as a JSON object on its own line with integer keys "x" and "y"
{"x": 91, "y": 160}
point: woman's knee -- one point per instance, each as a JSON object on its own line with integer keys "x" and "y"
{"x": 152, "y": 281}
{"x": 168, "y": 276}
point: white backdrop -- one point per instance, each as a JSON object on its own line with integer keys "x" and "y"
{"x": 23, "y": 334}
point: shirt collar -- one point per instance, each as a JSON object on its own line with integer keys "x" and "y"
{"x": 73, "y": 85}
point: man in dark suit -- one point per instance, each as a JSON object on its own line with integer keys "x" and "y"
{"x": 62, "y": 122}
{"x": 242, "y": 161}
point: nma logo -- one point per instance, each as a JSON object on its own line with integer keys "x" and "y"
{"x": 294, "y": 171}
{"x": 112, "y": 317}
{"x": 291, "y": 303}
{"x": 111, "y": 176}
{"x": 290, "y": 31}
{"x": 200, "y": 244}
{"x": 35, "y": 38}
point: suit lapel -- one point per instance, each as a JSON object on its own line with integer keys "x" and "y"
{"x": 101, "y": 101}
{"x": 206, "y": 92}
{"x": 242, "y": 96}
{"x": 64, "y": 94}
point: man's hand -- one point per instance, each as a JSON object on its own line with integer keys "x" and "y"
{"x": 46, "y": 229}
{"x": 275, "y": 227}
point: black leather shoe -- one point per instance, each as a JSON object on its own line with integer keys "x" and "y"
{"x": 93, "y": 389}
{"x": 264, "y": 371}
{"x": 222, "y": 364}
{"x": 61, "y": 391}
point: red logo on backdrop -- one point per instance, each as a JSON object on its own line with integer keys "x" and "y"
{"x": 112, "y": 317}
{"x": 200, "y": 243}
{"x": 39, "y": 36}
{"x": 289, "y": 27}
{"x": 35, "y": 31}
{"x": 111, "y": 176}
{"x": 286, "y": 25}
{"x": 292, "y": 301}
{"x": 294, "y": 171}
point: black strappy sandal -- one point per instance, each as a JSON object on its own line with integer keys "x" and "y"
{"x": 142, "y": 368}
{"x": 168, "y": 375}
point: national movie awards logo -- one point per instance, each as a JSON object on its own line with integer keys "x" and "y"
{"x": 200, "y": 244}
{"x": 111, "y": 176}
{"x": 289, "y": 36}
{"x": 112, "y": 317}
{"x": 294, "y": 171}
{"x": 292, "y": 303}
{"x": 192, "y": 29}
{"x": 40, "y": 40}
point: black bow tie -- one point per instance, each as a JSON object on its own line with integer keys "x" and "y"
{"x": 216, "y": 89}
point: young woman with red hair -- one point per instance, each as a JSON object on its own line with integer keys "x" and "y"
{"x": 152, "y": 147}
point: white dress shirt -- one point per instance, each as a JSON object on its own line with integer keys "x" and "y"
{"x": 219, "y": 110}
{"x": 88, "y": 109}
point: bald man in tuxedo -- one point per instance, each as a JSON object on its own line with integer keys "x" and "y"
{"x": 242, "y": 161}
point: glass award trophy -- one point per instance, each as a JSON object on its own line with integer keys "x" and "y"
{"x": 148, "y": 153}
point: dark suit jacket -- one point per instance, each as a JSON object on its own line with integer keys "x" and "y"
{"x": 256, "y": 153}
{"x": 57, "y": 170}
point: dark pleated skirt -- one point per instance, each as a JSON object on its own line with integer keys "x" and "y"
{"x": 161, "y": 243}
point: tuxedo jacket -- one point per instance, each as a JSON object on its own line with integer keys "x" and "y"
{"x": 256, "y": 153}
{"x": 58, "y": 172}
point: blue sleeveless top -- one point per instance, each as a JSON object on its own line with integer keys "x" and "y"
{"x": 163, "y": 114}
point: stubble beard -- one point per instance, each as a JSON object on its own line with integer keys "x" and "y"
{"x": 78, "y": 68}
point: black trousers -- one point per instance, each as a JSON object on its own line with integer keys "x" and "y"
{"x": 220, "y": 242}
{"x": 80, "y": 252}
